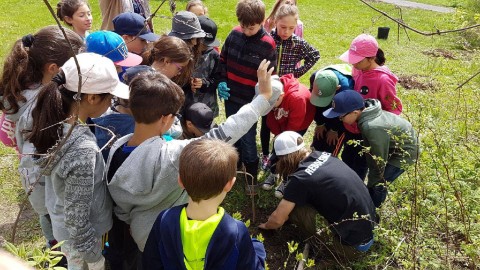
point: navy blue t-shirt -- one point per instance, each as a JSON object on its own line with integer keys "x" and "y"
{"x": 337, "y": 193}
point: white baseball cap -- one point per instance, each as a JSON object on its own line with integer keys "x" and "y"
{"x": 286, "y": 143}
{"x": 99, "y": 76}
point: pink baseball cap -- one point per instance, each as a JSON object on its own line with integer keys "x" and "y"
{"x": 362, "y": 46}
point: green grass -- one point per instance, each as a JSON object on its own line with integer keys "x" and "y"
{"x": 431, "y": 219}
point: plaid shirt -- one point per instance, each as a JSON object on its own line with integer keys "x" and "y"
{"x": 292, "y": 51}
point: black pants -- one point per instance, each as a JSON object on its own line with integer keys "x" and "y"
{"x": 122, "y": 252}
{"x": 351, "y": 157}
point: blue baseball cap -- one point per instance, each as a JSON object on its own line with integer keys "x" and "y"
{"x": 132, "y": 24}
{"x": 112, "y": 46}
{"x": 345, "y": 102}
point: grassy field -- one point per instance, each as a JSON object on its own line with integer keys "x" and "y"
{"x": 431, "y": 219}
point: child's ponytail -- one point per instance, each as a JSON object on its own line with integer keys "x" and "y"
{"x": 25, "y": 64}
{"x": 54, "y": 104}
{"x": 16, "y": 72}
{"x": 286, "y": 9}
{"x": 380, "y": 57}
{"x": 270, "y": 21}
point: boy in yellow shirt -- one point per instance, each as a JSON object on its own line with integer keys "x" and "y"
{"x": 200, "y": 235}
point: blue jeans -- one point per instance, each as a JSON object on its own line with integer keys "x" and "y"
{"x": 379, "y": 192}
{"x": 247, "y": 145}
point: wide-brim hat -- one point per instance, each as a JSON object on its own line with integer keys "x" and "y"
{"x": 185, "y": 25}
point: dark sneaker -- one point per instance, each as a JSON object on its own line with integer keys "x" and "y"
{"x": 270, "y": 181}
{"x": 280, "y": 190}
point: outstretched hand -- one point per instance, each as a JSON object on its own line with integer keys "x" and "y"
{"x": 264, "y": 75}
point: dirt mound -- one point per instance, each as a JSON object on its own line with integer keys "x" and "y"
{"x": 416, "y": 82}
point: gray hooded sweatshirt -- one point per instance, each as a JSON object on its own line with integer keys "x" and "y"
{"x": 29, "y": 172}
{"x": 76, "y": 195}
{"x": 389, "y": 137}
{"x": 146, "y": 183}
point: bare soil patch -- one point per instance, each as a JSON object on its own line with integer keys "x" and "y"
{"x": 416, "y": 82}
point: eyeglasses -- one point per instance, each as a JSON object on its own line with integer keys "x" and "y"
{"x": 179, "y": 68}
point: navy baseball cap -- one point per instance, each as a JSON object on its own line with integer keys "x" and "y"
{"x": 133, "y": 72}
{"x": 129, "y": 23}
{"x": 112, "y": 46}
{"x": 345, "y": 102}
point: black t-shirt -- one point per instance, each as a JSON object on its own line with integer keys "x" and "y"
{"x": 337, "y": 193}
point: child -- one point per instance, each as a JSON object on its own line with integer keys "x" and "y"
{"x": 142, "y": 168}
{"x": 205, "y": 77}
{"x": 76, "y": 196}
{"x": 200, "y": 235}
{"x": 131, "y": 26}
{"x": 197, "y": 120}
{"x": 322, "y": 184}
{"x": 172, "y": 57}
{"x": 185, "y": 25}
{"x": 270, "y": 21}
{"x": 77, "y": 14}
{"x": 324, "y": 84}
{"x": 372, "y": 80}
{"x": 33, "y": 61}
{"x": 292, "y": 112}
{"x": 291, "y": 50}
{"x": 245, "y": 46}
{"x": 391, "y": 141}
{"x": 197, "y": 7}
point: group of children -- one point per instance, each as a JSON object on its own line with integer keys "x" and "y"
{"x": 152, "y": 198}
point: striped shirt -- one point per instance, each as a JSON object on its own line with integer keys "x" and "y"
{"x": 239, "y": 61}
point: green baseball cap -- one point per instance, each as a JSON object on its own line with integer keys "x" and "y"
{"x": 324, "y": 88}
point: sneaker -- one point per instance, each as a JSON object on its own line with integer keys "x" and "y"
{"x": 270, "y": 181}
{"x": 265, "y": 162}
{"x": 251, "y": 190}
{"x": 280, "y": 189}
